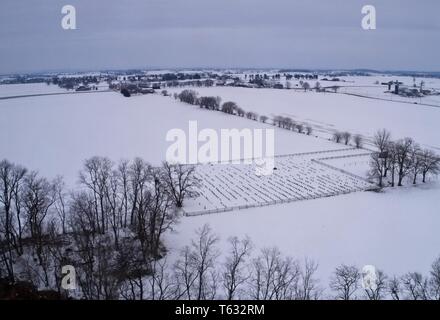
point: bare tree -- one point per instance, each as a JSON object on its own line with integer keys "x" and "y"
{"x": 434, "y": 281}
{"x": 278, "y": 121}
{"x": 180, "y": 180}
{"x": 204, "y": 259}
{"x": 162, "y": 216}
{"x": 358, "y": 141}
{"x": 95, "y": 259}
{"x": 287, "y": 279}
{"x": 234, "y": 270}
{"x": 377, "y": 289}
{"x": 185, "y": 275}
{"x": 229, "y": 107}
{"x": 377, "y": 167}
{"x": 306, "y": 86}
{"x": 160, "y": 283}
{"x": 415, "y": 161}
{"x": 240, "y": 112}
{"x": 345, "y": 281}
{"x": 95, "y": 178}
{"x": 317, "y": 86}
{"x": 263, "y": 274}
{"x": 403, "y": 151}
{"x": 309, "y": 289}
{"x": 211, "y": 103}
{"x": 124, "y": 183}
{"x": 188, "y": 96}
{"x": 430, "y": 163}
{"x": 139, "y": 177}
{"x": 382, "y": 140}
{"x": 391, "y": 161}
{"x": 415, "y": 286}
{"x": 337, "y": 136}
{"x": 39, "y": 195}
{"x": 195, "y": 270}
{"x": 60, "y": 202}
{"x": 395, "y": 288}
{"x": 263, "y": 118}
{"x": 11, "y": 224}
{"x": 346, "y": 136}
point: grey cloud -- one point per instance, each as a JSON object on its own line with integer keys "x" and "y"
{"x": 218, "y": 33}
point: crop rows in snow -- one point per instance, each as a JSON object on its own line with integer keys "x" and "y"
{"x": 225, "y": 187}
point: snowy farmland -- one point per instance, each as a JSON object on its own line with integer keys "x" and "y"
{"x": 395, "y": 230}
{"x": 328, "y": 112}
{"x": 55, "y": 134}
{"x": 227, "y": 187}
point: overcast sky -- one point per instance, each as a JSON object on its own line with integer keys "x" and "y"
{"x": 219, "y": 33}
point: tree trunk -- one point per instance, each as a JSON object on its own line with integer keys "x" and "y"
{"x": 392, "y": 177}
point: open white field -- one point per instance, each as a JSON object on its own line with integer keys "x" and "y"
{"x": 8, "y": 90}
{"x": 329, "y": 111}
{"x": 55, "y": 134}
{"x": 370, "y": 86}
{"x": 358, "y": 164}
{"x": 396, "y": 230}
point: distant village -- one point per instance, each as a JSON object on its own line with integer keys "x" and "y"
{"x": 138, "y": 82}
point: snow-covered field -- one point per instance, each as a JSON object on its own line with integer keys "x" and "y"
{"x": 357, "y": 164}
{"x": 55, "y": 134}
{"x": 12, "y": 90}
{"x": 296, "y": 177}
{"x": 396, "y": 230}
{"x": 329, "y": 111}
{"x": 7, "y": 90}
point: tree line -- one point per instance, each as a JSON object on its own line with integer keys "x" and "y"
{"x": 267, "y": 274}
{"x": 403, "y": 159}
{"x": 346, "y": 137}
{"x": 230, "y": 107}
{"x": 110, "y": 228}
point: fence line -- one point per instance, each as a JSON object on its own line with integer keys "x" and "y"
{"x": 276, "y": 156}
{"x": 342, "y": 171}
{"x": 346, "y": 156}
{"x": 270, "y": 203}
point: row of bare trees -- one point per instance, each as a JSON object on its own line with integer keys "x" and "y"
{"x": 267, "y": 274}
{"x": 397, "y": 160}
{"x": 289, "y": 124}
{"x": 214, "y": 103}
{"x": 110, "y": 228}
{"x": 230, "y": 107}
{"x": 347, "y": 284}
{"x": 346, "y": 137}
{"x": 203, "y": 272}
{"x": 198, "y": 274}
{"x": 26, "y": 200}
